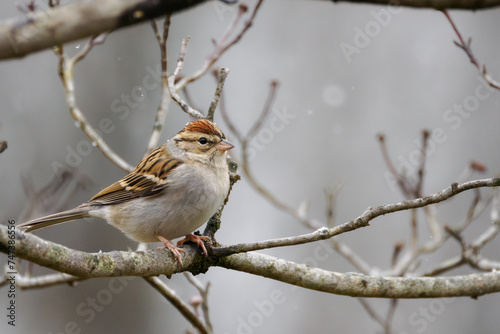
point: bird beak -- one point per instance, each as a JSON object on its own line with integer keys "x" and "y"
{"x": 224, "y": 145}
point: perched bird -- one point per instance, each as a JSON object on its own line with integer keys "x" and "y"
{"x": 170, "y": 193}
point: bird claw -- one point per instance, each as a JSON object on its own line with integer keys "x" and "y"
{"x": 168, "y": 244}
{"x": 197, "y": 240}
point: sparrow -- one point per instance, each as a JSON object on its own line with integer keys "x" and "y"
{"x": 173, "y": 191}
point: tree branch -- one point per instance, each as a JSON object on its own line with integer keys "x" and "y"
{"x": 45, "y": 29}
{"x": 361, "y": 221}
{"x": 466, "y": 46}
{"x": 436, "y": 4}
{"x": 156, "y": 262}
{"x": 66, "y": 74}
{"x": 182, "y": 307}
{"x": 161, "y": 113}
{"x": 356, "y": 285}
{"x": 171, "y": 83}
{"x": 56, "y": 26}
{"x": 223, "y": 72}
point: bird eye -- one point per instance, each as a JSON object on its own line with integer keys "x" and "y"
{"x": 202, "y": 140}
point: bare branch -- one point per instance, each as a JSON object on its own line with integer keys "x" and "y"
{"x": 171, "y": 83}
{"x": 66, "y": 74}
{"x": 421, "y": 168}
{"x": 363, "y": 220}
{"x": 390, "y": 315}
{"x": 371, "y": 312}
{"x": 86, "y": 265}
{"x": 471, "y": 254}
{"x": 182, "y": 307}
{"x": 161, "y": 113}
{"x": 44, "y": 281}
{"x": 436, "y": 4}
{"x": 402, "y": 183}
{"x": 221, "y": 47}
{"x": 466, "y": 46}
{"x": 265, "y": 112}
{"x": 445, "y": 266}
{"x": 225, "y": 116}
{"x": 54, "y": 195}
{"x": 356, "y": 285}
{"x": 93, "y": 41}
{"x": 203, "y": 290}
{"x": 156, "y": 262}
{"x": 244, "y": 141}
{"x": 220, "y": 85}
{"x": 3, "y": 145}
{"x": 350, "y": 255}
{"x": 37, "y": 31}
{"x": 42, "y": 30}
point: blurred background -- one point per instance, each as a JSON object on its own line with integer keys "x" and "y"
{"x": 338, "y": 90}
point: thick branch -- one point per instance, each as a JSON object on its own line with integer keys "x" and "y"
{"x": 86, "y": 265}
{"x": 356, "y": 285}
{"x": 45, "y": 29}
{"x": 157, "y": 262}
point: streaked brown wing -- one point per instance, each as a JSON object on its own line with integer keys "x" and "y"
{"x": 149, "y": 178}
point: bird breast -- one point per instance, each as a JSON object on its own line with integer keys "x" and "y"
{"x": 194, "y": 194}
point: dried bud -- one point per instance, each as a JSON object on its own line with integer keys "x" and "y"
{"x": 196, "y": 301}
{"x": 3, "y": 145}
{"x": 478, "y": 166}
{"x": 243, "y": 8}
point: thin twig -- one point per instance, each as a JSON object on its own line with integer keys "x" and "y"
{"x": 182, "y": 307}
{"x": 471, "y": 255}
{"x": 488, "y": 235}
{"x": 171, "y": 83}
{"x": 483, "y": 239}
{"x": 445, "y": 266}
{"x": 54, "y": 195}
{"x": 24, "y": 282}
{"x": 244, "y": 141}
{"x": 203, "y": 290}
{"x": 154, "y": 263}
{"x": 225, "y": 116}
{"x": 363, "y": 220}
{"x": 161, "y": 113}
{"x": 221, "y": 47}
{"x": 397, "y": 176}
{"x": 265, "y": 112}
{"x": 466, "y": 46}
{"x": 350, "y": 255}
{"x": 218, "y": 91}
{"x": 390, "y": 315}
{"x": 371, "y": 312}
{"x": 347, "y": 253}
{"x": 421, "y": 168}
{"x": 93, "y": 41}
{"x": 66, "y": 74}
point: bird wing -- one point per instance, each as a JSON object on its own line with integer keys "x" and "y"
{"x": 149, "y": 178}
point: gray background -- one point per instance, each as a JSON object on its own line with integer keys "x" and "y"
{"x": 403, "y": 81}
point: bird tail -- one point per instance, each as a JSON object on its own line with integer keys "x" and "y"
{"x": 56, "y": 218}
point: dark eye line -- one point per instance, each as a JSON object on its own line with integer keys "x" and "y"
{"x": 195, "y": 140}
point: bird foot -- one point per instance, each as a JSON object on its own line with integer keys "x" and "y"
{"x": 168, "y": 244}
{"x": 196, "y": 239}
